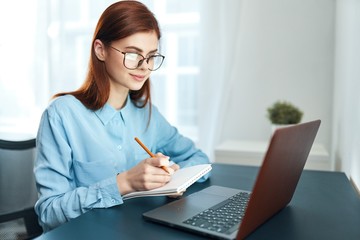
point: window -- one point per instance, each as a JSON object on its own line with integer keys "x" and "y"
{"x": 175, "y": 84}
{"x": 18, "y": 103}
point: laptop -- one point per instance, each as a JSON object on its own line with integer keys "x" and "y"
{"x": 228, "y": 213}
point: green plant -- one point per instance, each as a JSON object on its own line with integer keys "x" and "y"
{"x": 282, "y": 112}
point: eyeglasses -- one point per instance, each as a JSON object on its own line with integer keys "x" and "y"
{"x": 133, "y": 60}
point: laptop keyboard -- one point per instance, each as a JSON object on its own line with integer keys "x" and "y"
{"x": 224, "y": 217}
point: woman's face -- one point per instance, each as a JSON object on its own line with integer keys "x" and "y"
{"x": 122, "y": 78}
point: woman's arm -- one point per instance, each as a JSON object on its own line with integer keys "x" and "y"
{"x": 60, "y": 197}
{"x": 180, "y": 149}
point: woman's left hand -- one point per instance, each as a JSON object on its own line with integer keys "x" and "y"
{"x": 175, "y": 167}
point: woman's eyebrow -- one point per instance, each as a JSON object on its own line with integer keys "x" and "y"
{"x": 139, "y": 50}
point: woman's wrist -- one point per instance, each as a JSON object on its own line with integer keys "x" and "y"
{"x": 123, "y": 184}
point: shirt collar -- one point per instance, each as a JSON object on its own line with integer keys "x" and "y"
{"x": 107, "y": 112}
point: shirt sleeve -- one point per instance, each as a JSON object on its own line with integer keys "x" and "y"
{"x": 59, "y": 198}
{"x": 179, "y": 148}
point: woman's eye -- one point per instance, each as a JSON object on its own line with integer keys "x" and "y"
{"x": 132, "y": 56}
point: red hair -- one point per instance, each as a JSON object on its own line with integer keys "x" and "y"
{"x": 118, "y": 21}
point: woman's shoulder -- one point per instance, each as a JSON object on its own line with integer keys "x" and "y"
{"x": 65, "y": 100}
{"x": 65, "y": 104}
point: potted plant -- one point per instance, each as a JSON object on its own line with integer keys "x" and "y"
{"x": 283, "y": 113}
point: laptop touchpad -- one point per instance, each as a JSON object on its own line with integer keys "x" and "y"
{"x": 186, "y": 207}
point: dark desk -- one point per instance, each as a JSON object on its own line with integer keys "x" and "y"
{"x": 325, "y": 206}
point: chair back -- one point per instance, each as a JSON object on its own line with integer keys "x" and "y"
{"x": 18, "y": 193}
{"x": 17, "y": 181}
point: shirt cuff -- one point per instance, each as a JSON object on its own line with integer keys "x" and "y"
{"x": 104, "y": 194}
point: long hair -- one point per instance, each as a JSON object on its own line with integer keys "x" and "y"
{"x": 118, "y": 21}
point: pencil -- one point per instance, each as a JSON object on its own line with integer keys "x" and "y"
{"x": 149, "y": 152}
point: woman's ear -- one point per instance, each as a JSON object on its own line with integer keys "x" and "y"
{"x": 99, "y": 49}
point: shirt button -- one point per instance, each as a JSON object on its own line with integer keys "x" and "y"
{"x": 119, "y": 147}
{"x": 113, "y": 200}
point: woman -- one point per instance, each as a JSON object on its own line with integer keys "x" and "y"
{"x": 87, "y": 156}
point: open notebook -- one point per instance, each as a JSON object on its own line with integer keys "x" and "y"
{"x": 180, "y": 181}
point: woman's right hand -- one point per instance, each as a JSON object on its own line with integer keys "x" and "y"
{"x": 147, "y": 175}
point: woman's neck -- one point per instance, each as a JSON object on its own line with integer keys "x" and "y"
{"x": 117, "y": 97}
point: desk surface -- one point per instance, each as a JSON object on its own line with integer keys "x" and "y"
{"x": 325, "y": 206}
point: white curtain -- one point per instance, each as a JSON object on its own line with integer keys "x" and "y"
{"x": 346, "y": 123}
{"x": 220, "y": 22}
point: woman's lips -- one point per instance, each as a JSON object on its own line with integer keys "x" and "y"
{"x": 138, "y": 78}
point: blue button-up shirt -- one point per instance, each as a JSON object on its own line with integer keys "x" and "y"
{"x": 80, "y": 152}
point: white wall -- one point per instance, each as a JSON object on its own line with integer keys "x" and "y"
{"x": 286, "y": 53}
{"x": 346, "y": 119}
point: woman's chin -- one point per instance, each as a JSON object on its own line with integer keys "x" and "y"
{"x": 136, "y": 85}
